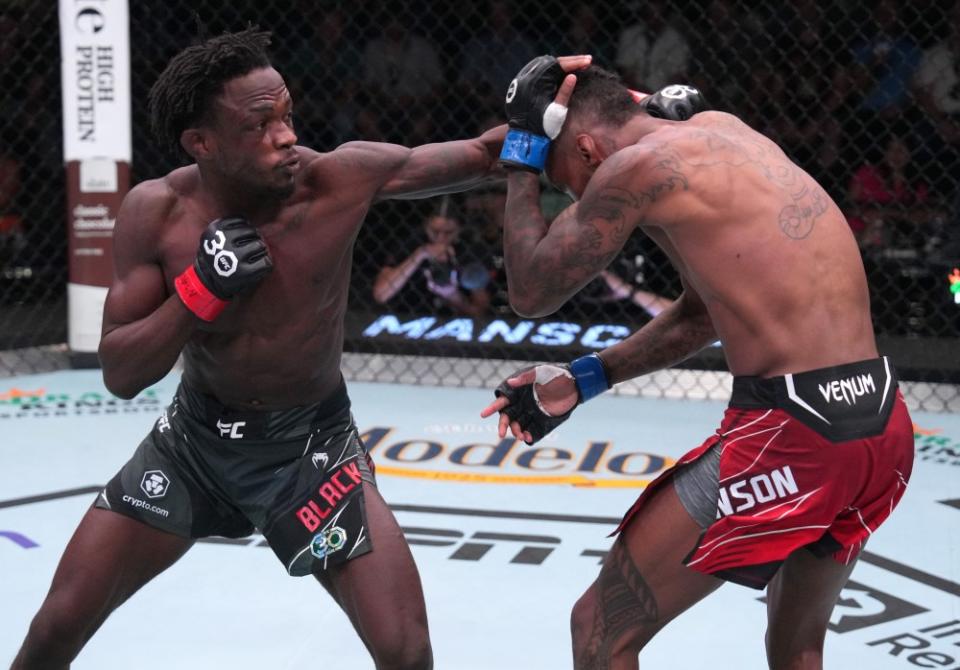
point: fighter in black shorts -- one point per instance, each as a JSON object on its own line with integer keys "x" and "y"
{"x": 240, "y": 262}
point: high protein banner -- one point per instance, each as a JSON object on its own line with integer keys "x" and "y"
{"x": 95, "y": 69}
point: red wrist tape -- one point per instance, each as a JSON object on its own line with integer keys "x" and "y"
{"x": 198, "y": 297}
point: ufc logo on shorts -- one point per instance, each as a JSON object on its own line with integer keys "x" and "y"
{"x": 231, "y": 430}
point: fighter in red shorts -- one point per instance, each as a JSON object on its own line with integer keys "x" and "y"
{"x": 816, "y": 447}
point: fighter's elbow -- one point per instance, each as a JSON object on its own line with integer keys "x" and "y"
{"x": 120, "y": 387}
{"x": 530, "y": 307}
{"x": 117, "y": 380}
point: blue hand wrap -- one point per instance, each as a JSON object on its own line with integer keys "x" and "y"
{"x": 525, "y": 149}
{"x": 590, "y": 376}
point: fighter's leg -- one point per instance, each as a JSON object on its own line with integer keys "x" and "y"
{"x": 642, "y": 586}
{"x": 800, "y": 599}
{"x": 381, "y": 593}
{"x": 108, "y": 558}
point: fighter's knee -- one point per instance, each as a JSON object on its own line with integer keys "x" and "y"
{"x": 53, "y": 641}
{"x": 403, "y": 649}
{"x": 801, "y": 652}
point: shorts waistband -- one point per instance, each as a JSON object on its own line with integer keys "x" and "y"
{"x": 840, "y": 402}
{"x": 231, "y": 423}
{"x": 763, "y": 392}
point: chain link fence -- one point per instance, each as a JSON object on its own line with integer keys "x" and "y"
{"x": 33, "y": 241}
{"x": 864, "y": 97}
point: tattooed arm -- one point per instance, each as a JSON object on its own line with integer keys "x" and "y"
{"x": 547, "y": 265}
{"x": 679, "y": 331}
{"x": 397, "y": 172}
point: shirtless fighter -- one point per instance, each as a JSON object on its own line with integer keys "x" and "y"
{"x": 816, "y": 447}
{"x": 241, "y": 262}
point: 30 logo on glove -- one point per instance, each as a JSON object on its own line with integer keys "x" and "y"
{"x": 231, "y": 257}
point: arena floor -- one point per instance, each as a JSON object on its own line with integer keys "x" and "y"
{"x": 521, "y": 535}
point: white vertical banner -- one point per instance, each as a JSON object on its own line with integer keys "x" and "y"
{"x": 95, "y": 71}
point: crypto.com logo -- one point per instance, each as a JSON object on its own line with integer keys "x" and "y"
{"x": 154, "y": 484}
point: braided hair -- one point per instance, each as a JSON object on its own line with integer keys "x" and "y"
{"x": 182, "y": 95}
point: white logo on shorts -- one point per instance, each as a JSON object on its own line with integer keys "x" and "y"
{"x": 318, "y": 459}
{"x": 154, "y": 484}
{"x": 231, "y": 430}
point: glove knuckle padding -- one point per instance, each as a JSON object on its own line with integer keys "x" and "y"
{"x": 676, "y": 102}
{"x": 229, "y": 257}
{"x": 531, "y": 92}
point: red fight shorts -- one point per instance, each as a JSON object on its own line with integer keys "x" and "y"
{"x": 814, "y": 460}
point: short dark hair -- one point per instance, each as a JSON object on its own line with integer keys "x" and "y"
{"x": 182, "y": 95}
{"x": 600, "y": 94}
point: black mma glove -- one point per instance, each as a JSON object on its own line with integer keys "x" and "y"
{"x": 231, "y": 257}
{"x": 676, "y": 102}
{"x": 587, "y": 372}
{"x": 534, "y": 118}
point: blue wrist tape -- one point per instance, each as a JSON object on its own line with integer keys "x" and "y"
{"x": 590, "y": 376}
{"x": 525, "y": 148}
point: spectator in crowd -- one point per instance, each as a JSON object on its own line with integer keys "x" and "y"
{"x": 493, "y": 57}
{"x": 937, "y": 89}
{"x": 812, "y": 59}
{"x": 651, "y": 51}
{"x": 726, "y": 59}
{"x": 583, "y": 32}
{"x": 431, "y": 278}
{"x": 885, "y": 62}
{"x": 401, "y": 70}
{"x": 327, "y": 68}
{"x": 12, "y": 73}
{"x": 11, "y": 222}
{"x": 889, "y": 202}
{"x": 483, "y": 212}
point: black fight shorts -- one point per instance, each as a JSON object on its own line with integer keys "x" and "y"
{"x": 295, "y": 475}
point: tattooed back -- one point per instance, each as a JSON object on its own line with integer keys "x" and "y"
{"x": 761, "y": 242}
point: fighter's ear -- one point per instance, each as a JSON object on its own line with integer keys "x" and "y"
{"x": 197, "y": 142}
{"x": 588, "y": 150}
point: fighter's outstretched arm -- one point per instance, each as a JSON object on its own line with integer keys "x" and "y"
{"x": 398, "y": 172}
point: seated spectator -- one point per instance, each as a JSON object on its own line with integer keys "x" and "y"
{"x": 583, "y": 33}
{"x": 889, "y": 202}
{"x": 651, "y": 52}
{"x": 937, "y": 89}
{"x": 726, "y": 58}
{"x": 484, "y": 209}
{"x": 325, "y": 72}
{"x": 12, "y": 239}
{"x": 434, "y": 277}
{"x": 885, "y": 62}
{"x": 492, "y": 58}
{"x": 811, "y": 54}
{"x": 401, "y": 69}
